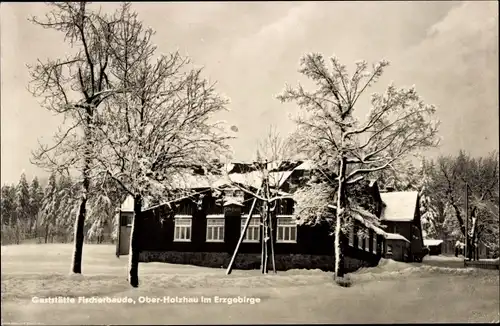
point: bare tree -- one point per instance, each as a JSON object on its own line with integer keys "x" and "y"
{"x": 263, "y": 184}
{"x": 151, "y": 136}
{"x": 456, "y": 178}
{"x": 345, "y": 149}
{"x": 75, "y": 87}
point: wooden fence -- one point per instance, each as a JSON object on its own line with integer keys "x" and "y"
{"x": 485, "y": 264}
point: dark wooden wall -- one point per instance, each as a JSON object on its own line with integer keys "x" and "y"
{"x": 156, "y": 233}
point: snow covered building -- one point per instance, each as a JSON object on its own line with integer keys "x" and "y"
{"x": 434, "y": 246}
{"x": 204, "y": 229}
{"x": 401, "y": 216}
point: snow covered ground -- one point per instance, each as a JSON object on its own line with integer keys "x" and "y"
{"x": 392, "y": 292}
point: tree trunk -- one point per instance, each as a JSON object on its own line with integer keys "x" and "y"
{"x": 134, "y": 245}
{"x": 80, "y": 223}
{"x": 118, "y": 235}
{"x": 341, "y": 203}
{"x": 262, "y": 237}
{"x": 46, "y": 233}
{"x": 35, "y": 229}
{"x": 271, "y": 238}
{"x": 266, "y": 237}
{"x": 80, "y": 220}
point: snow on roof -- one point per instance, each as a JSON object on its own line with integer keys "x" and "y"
{"x": 277, "y": 179}
{"x": 395, "y": 236}
{"x": 254, "y": 179}
{"x": 192, "y": 181}
{"x": 233, "y": 201}
{"x": 306, "y": 165}
{"x": 358, "y": 215}
{"x": 379, "y": 231}
{"x": 400, "y": 206}
{"x": 189, "y": 180}
{"x": 128, "y": 204}
{"x": 432, "y": 242}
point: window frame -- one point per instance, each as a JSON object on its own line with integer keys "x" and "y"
{"x": 254, "y": 224}
{"x": 285, "y": 226}
{"x": 179, "y": 218}
{"x": 218, "y": 218}
{"x": 361, "y": 241}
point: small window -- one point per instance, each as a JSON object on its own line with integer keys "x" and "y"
{"x": 374, "y": 250}
{"x": 287, "y": 229}
{"x": 389, "y": 249}
{"x": 182, "y": 230}
{"x": 215, "y": 229}
{"x": 253, "y": 230}
{"x": 127, "y": 219}
{"x": 361, "y": 241}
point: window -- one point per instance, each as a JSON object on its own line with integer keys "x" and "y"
{"x": 253, "y": 230}
{"x": 287, "y": 229}
{"x": 182, "y": 229}
{"x": 351, "y": 236}
{"x": 361, "y": 241}
{"x": 126, "y": 219}
{"x": 215, "y": 229}
{"x": 389, "y": 249}
{"x": 374, "y": 250}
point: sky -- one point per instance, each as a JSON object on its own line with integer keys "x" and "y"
{"x": 448, "y": 50}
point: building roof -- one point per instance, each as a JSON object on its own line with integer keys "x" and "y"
{"x": 233, "y": 201}
{"x": 395, "y": 236}
{"x": 189, "y": 180}
{"x": 432, "y": 242}
{"x": 128, "y": 204}
{"x": 193, "y": 181}
{"x": 364, "y": 217}
{"x": 253, "y": 179}
{"x": 306, "y": 165}
{"x": 399, "y": 206}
